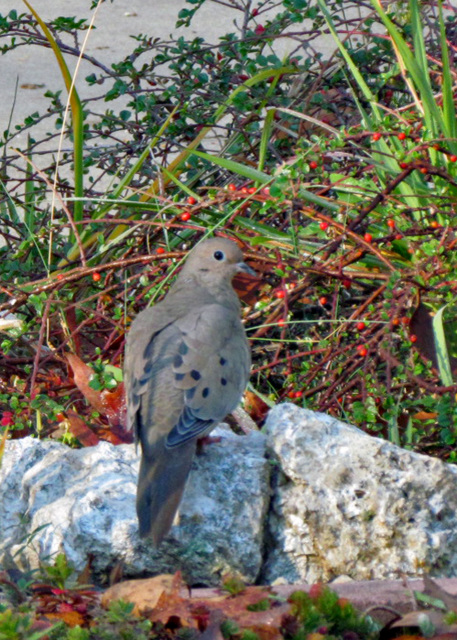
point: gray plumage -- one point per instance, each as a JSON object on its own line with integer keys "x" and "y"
{"x": 187, "y": 364}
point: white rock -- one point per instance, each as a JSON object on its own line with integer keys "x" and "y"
{"x": 348, "y": 503}
{"x": 82, "y": 502}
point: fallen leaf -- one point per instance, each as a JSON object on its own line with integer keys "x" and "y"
{"x": 144, "y": 594}
{"x": 80, "y": 430}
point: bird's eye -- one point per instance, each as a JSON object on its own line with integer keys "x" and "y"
{"x": 219, "y": 255}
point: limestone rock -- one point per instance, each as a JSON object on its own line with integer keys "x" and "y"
{"x": 347, "y": 503}
{"x": 82, "y": 502}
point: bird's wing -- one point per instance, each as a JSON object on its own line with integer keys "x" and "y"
{"x": 211, "y": 366}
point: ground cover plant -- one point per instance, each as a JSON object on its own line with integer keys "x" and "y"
{"x": 338, "y": 177}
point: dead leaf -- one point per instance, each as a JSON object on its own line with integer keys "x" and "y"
{"x": 144, "y": 594}
{"x": 256, "y": 407}
{"x": 80, "y": 430}
{"x": 246, "y": 287}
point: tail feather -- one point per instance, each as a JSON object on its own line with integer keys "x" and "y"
{"x": 161, "y": 484}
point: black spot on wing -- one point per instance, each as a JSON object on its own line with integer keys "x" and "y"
{"x": 205, "y": 393}
{"x": 195, "y": 375}
{"x": 179, "y": 376}
{"x": 177, "y": 361}
{"x": 223, "y": 382}
{"x": 222, "y": 361}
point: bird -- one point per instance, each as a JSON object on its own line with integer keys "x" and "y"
{"x": 187, "y": 364}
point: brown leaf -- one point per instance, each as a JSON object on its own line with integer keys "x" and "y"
{"x": 246, "y": 287}
{"x": 256, "y": 407}
{"x": 144, "y": 594}
{"x": 80, "y": 430}
{"x": 108, "y": 403}
{"x": 71, "y": 618}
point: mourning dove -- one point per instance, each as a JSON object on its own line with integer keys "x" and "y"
{"x": 187, "y": 364}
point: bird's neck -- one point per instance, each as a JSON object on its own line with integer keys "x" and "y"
{"x": 207, "y": 291}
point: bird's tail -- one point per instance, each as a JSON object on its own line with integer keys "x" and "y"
{"x": 161, "y": 484}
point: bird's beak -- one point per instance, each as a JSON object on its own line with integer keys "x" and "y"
{"x": 242, "y": 267}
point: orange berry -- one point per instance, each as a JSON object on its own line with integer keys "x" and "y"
{"x": 323, "y": 300}
{"x": 423, "y": 170}
{"x": 396, "y": 322}
{"x": 291, "y": 394}
{"x": 191, "y": 200}
{"x": 376, "y": 137}
{"x": 185, "y": 216}
{"x": 160, "y": 250}
{"x": 391, "y": 223}
{"x": 435, "y": 224}
{"x": 368, "y": 237}
{"x": 401, "y": 135}
{"x": 362, "y": 351}
{"x": 323, "y": 226}
{"x": 96, "y": 277}
{"x": 231, "y": 187}
{"x": 60, "y": 276}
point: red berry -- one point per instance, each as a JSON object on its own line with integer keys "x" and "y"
{"x": 244, "y": 190}
{"x": 396, "y": 322}
{"x": 96, "y": 277}
{"x": 313, "y": 164}
{"x": 361, "y": 326}
{"x": 281, "y": 322}
{"x": 191, "y": 200}
{"x": 404, "y": 320}
{"x": 60, "y": 417}
{"x": 252, "y": 190}
{"x": 291, "y": 394}
{"x": 401, "y": 135}
{"x": 323, "y": 300}
{"x": 280, "y": 294}
{"x": 160, "y": 250}
{"x": 413, "y": 337}
{"x": 60, "y": 276}
{"x": 391, "y": 223}
{"x": 185, "y": 216}
{"x": 435, "y": 224}
{"x": 403, "y": 165}
{"x": 266, "y": 191}
{"x": 398, "y": 236}
{"x": 362, "y": 351}
{"x": 376, "y": 137}
{"x": 346, "y": 283}
{"x": 316, "y": 590}
{"x": 423, "y": 170}
{"x": 255, "y": 12}
{"x": 231, "y": 187}
{"x": 368, "y": 237}
{"x": 323, "y": 226}
{"x": 453, "y": 158}
{"x": 298, "y": 394}
{"x": 259, "y": 29}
